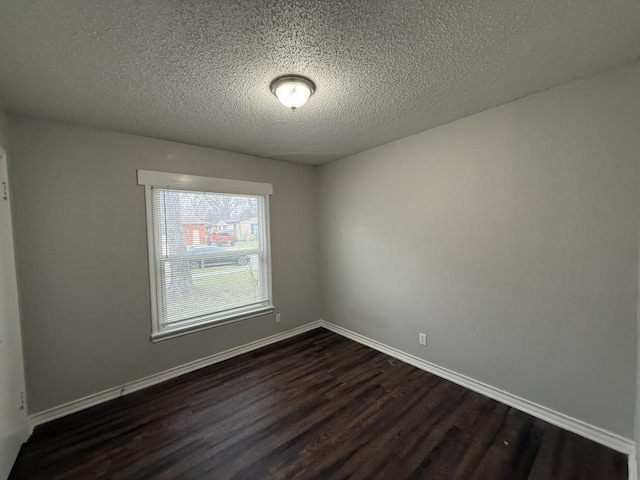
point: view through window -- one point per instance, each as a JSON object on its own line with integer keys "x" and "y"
{"x": 210, "y": 256}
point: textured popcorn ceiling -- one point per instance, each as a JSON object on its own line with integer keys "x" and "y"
{"x": 199, "y": 71}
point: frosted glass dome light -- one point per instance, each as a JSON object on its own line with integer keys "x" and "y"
{"x": 293, "y": 91}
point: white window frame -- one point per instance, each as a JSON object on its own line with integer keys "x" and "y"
{"x": 196, "y": 183}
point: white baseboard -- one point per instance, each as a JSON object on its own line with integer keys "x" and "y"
{"x": 633, "y": 467}
{"x": 597, "y": 434}
{"x": 115, "y": 392}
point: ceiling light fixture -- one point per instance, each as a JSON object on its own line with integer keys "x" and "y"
{"x": 293, "y": 91}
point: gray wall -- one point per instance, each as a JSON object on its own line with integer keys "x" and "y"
{"x": 4, "y": 136}
{"x": 510, "y": 237}
{"x": 637, "y": 419}
{"x": 82, "y": 255}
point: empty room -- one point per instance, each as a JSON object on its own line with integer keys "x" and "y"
{"x": 319, "y": 239}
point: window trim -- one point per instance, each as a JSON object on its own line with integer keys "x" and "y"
{"x": 177, "y": 181}
{"x": 202, "y": 184}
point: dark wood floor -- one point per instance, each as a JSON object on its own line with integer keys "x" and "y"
{"x": 317, "y": 406}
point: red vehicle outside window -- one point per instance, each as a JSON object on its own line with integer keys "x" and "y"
{"x": 222, "y": 238}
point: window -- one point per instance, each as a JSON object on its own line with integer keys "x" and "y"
{"x": 209, "y": 258}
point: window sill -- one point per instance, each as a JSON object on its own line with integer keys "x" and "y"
{"x": 186, "y": 330}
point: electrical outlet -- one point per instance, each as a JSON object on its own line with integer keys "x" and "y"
{"x": 277, "y": 318}
{"x": 422, "y": 338}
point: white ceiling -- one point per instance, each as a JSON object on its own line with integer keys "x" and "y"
{"x": 198, "y": 71}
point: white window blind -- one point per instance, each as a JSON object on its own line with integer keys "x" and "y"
{"x": 209, "y": 258}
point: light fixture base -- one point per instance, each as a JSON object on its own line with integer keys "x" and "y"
{"x": 293, "y": 78}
